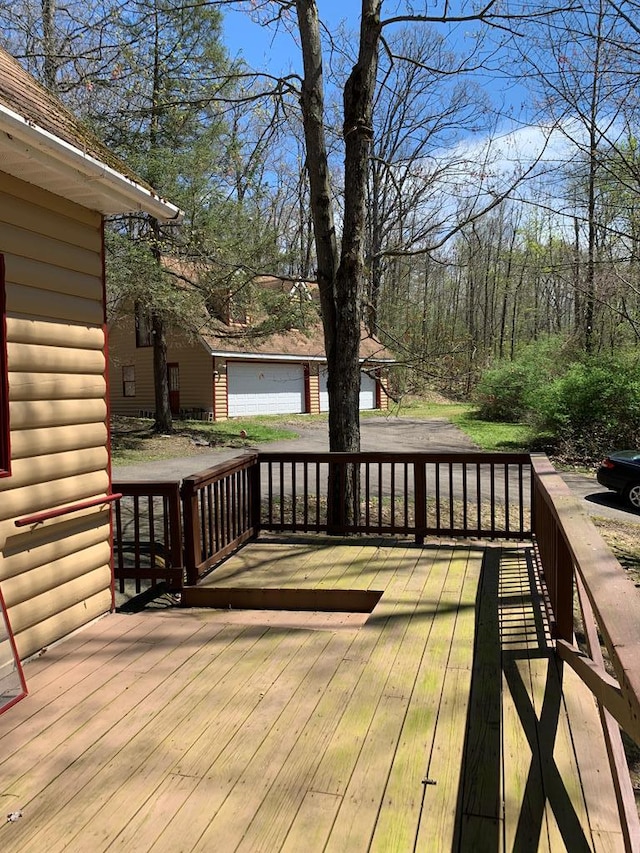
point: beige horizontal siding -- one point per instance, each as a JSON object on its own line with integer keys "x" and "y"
{"x": 54, "y": 466}
{"x": 26, "y": 414}
{"x": 40, "y": 607}
{"x": 20, "y": 213}
{"x": 43, "y": 276}
{"x": 36, "y": 442}
{"x": 45, "y": 359}
{"x": 221, "y": 398}
{"x": 59, "y": 306}
{"x": 314, "y": 393}
{"x": 47, "y": 206}
{"x": 62, "y": 621}
{"x": 57, "y": 386}
{"x": 67, "y": 255}
{"x": 39, "y": 497}
{"x": 56, "y": 574}
{"x": 27, "y": 549}
{"x": 23, "y": 330}
{"x": 26, "y": 586}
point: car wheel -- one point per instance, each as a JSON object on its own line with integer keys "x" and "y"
{"x": 632, "y": 496}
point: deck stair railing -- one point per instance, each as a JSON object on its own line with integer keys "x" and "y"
{"x": 221, "y": 511}
{"x": 580, "y": 571}
{"x": 147, "y": 534}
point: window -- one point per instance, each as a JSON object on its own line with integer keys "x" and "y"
{"x": 143, "y": 326}
{"x": 129, "y": 380}
{"x": 5, "y": 455}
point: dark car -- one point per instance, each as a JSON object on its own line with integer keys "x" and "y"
{"x": 620, "y": 472}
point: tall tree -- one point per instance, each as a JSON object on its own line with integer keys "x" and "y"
{"x": 580, "y": 67}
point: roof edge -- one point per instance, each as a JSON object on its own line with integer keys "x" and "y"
{"x": 275, "y": 356}
{"x": 42, "y": 143}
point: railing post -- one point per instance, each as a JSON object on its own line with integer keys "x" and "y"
{"x": 420, "y": 492}
{"x": 192, "y": 531}
{"x": 176, "y": 551}
{"x": 564, "y": 589}
{"x": 255, "y": 484}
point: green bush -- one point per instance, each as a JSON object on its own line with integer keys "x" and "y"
{"x": 592, "y": 409}
{"x": 505, "y": 391}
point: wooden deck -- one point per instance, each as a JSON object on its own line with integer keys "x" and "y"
{"x": 439, "y": 721}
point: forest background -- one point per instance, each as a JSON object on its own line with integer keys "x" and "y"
{"x": 501, "y": 241}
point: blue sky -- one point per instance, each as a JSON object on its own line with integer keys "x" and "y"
{"x": 261, "y": 49}
{"x": 265, "y": 49}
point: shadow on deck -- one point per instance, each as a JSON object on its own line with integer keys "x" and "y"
{"x": 441, "y": 720}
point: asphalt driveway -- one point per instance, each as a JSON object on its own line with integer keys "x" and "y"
{"x": 386, "y": 434}
{"x": 406, "y": 434}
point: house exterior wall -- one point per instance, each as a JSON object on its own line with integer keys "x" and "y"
{"x": 314, "y": 388}
{"x": 382, "y": 387}
{"x": 220, "y": 390}
{"x": 194, "y": 362}
{"x": 55, "y": 575}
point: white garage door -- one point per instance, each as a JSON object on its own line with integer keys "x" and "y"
{"x": 367, "y": 391}
{"x": 265, "y": 389}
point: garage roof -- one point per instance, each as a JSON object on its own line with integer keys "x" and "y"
{"x": 291, "y": 345}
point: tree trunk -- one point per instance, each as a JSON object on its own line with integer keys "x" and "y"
{"x": 48, "y": 44}
{"x": 163, "y": 422}
{"x": 340, "y": 283}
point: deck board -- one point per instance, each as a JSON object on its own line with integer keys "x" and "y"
{"x": 437, "y": 721}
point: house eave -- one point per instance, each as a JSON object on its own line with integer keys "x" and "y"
{"x": 35, "y": 155}
{"x": 289, "y": 357}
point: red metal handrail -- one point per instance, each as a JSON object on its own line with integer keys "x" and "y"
{"x": 65, "y": 510}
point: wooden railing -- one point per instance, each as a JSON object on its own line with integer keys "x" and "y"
{"x": 512, "y": 496}
{"x": 221, "y": 511}
{"x": 579, "y": 567}
{"x": 148, "y": 534}
{"x": 420, "y": 494}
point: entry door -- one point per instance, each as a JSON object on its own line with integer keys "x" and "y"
{"x": 173, "y": 377}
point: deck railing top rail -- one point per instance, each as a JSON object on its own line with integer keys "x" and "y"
{"x": 614, "y": 601}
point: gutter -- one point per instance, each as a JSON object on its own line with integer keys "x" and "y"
{"x": 78, "y": 166}
{"x": 274, "y": 356}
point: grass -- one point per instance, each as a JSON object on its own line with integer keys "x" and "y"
{"x": 488, "y": 435}
{"x": 133, "y": 439}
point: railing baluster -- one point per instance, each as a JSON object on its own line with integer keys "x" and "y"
{"x": 305, "y": 499}
{"x": 507, "y": 506}
{"x": 465, "y": 498}
{"x": 392, "y": 488}
{"x": 294, "y": 495}
{"x": 367, "y": 496}
{"x": 406, "y": 496}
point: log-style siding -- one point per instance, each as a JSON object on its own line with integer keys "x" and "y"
{"x": 55, "y": 576}
{"x": 194, "y": 362}
{"x": 314, "y": 389}
{"x": 220, "y": 390}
